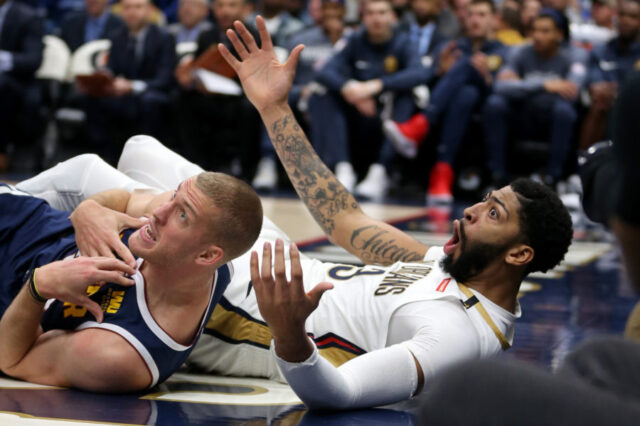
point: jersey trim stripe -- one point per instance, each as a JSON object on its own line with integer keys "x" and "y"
{"x": 151, "y": 322}
{"x": 234, "y": 325}
{"x": 138, "y": 346}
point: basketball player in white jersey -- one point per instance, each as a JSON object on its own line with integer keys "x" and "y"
{"x": 382, "y": 331}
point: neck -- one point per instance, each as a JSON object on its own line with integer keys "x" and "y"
{"x": 549, "y": 53}
{"x": 498, "y": 285}
{"x": 477, "y": 43}
{"x": 380, "y": 38}
{"x": 171, "y": 286}
{"x": 424, "y": 20}
{"x": 136, "y": 30}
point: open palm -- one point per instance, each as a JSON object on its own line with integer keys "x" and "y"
{"x": 265, "y": 80}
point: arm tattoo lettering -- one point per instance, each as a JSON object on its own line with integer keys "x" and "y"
{"x": 376, "y": 245}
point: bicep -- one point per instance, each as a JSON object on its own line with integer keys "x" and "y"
{"x": 94, "y": 360}
{"x": 374, "y": 241}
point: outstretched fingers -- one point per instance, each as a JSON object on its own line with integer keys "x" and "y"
{"x": 265, "y": 37}
{"x": 228, "y": 56}
{"x": 237, "y": 44}
{"x": 246, "y": 36}
{"x": 292, "y": 61}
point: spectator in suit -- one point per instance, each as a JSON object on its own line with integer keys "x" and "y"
{"x": 609, "y": 66}
{"x": 375, "y": 59}
{"x": 222, "y": 131}
{"x": 93, "y": 23}
{"x": 280, "y": 23}
{"x": 142, "y": 59}
{"x": 535, "y": 93}
{"x": 465, "y": 71}
{"x": 192, "y": 20}
{"x": 426, "y": 31}
{"x": 20, "y": 56}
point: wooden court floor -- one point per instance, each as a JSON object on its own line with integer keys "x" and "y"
{"x": 585, "y": 296}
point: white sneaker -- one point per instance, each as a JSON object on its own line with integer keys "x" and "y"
{"x": 266, "y": 175}
{"x": 375, "y": 184}
{"x": 346, "y": 175}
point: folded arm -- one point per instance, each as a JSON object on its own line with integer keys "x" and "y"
{"x": 91, "y": 359}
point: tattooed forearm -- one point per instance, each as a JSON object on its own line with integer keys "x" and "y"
{"x": 323, "y": 194}
{"x": 378, "y": 245}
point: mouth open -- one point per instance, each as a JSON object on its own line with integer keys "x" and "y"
{"x": 147, "y": 234}
{"x": 451, "y": 245}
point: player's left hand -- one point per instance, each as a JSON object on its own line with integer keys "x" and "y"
{"x": 98, "y": 231}
{"x": 283, "y": 303}
{"x": 265, "y": 81}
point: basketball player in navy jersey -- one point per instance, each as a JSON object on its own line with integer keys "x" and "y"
{"x": 99, "y": 323}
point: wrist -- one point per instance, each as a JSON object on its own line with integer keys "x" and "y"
{"x": 274, "y": 112}
{"x": 292, "y": 345}
{"x": 34, "y": 291}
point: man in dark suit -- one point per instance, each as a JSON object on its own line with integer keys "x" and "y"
{"x": 20, "y": 56}
{"x": 93, "y": 23}
{"x": 222, "y": 131}
{"x": 142, "y": 59}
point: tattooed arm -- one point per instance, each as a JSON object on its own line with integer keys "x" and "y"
{"x": 266, "y": 83}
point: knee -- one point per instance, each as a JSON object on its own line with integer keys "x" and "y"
{"x": 83, "y": 161}
{"x": 496, "y": 105}
{"x": 468, "y": 96}
{"x": 564, "y": 111}
{"x": 139, "y": 144}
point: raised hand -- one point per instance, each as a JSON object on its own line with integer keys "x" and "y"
{"x": 283, "y": 304}
{"x": 67, "y": 280}
{"x": 98, "y": 231}
{"x": 265, "y": 81}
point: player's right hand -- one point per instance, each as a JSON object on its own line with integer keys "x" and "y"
{"x": 98, "y": 231}
{"x": 67, "y": 280}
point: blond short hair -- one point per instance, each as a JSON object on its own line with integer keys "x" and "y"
{"x": 239, "y": 220}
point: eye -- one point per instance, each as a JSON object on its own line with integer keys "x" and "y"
{"x": 182, "y": 214}
{"x": 174, "y": 194}
{"x": 493, "y": 213}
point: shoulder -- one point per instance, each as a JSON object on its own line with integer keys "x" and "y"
{"x": 307, "y": 35}
{"x": 22, "y": 11}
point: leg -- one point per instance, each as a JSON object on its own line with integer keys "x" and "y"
{"x": 146, "y": 160}
{"x": 455, "y": 122}
{"x": 65, "y": 185}
{"x": 562, "y": 122}
{"x": 496, "y": 114}
{"x": 403, "y": 107}
{"x": 454, "y": 126}
{"x": 329, "y": 130}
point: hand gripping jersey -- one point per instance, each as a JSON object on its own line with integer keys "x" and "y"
{"x": 34, "y": 234}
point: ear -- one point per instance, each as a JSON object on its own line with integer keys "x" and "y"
{"x": 519, "y": 255}
{"x": 212, "y": 255}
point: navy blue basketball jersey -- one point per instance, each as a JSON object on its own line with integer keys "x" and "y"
{"x": 33, "y": 234}
{"x": 126, "y": 313}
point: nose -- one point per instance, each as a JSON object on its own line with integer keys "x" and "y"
{"x": 161, "y": 212}
{"x": 470, "y": 213}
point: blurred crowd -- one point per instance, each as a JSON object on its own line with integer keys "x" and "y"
{"x": 447, "y": 96}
